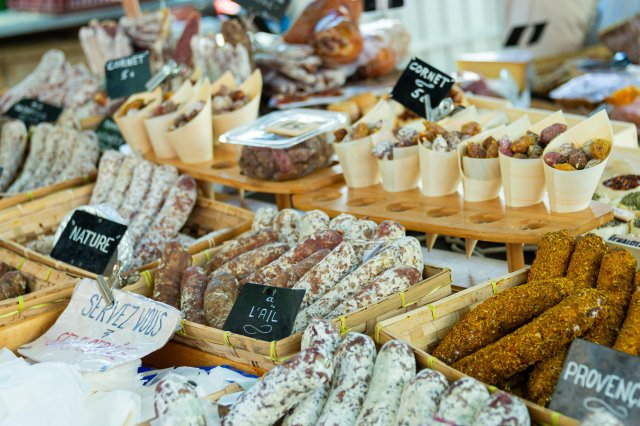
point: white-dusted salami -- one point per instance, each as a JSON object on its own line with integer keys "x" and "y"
{"x": 312, "y": 222}
{"x": 34, "y": 159}
{"x": 390, "y": 230}
{"x": 264, "y": 218}
{"x": 503, "y": 409}
{"x": 341, "y": 222}
{"x": 83, "y": 157}
{"x": 421, "y": 397}
{"x": 308, "y": 411}
{"x": 13, "y": 143}
{"x": 462, "y": 401}
{"x": 287, "y": 225}
{"x": 409, "y": 252}
{"x": 353, "y": 368}
{"x": 281, "y": 389}
{"x": 65, "y": 139}
{"x": 171, "y": 218}
{"x": 243, "y": 266}
{"x": 360, "y": 229}
{"x": 123, "y": 180}
{"x": 321, "y": 334}
{"x": 44, "y": 166}
{"x": 395, "y": 366}
{"x": 326, "y": 274}
{"x": 234, "y": 248}
{"x": 161, "y": 182}
{"x": 107, "y": 173}
{"x": 140, "y": 183}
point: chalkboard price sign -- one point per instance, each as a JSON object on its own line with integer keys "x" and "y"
{"x": 109, "y": 136}
{"x": 417, "y": 81}
{"x": 595, "y": 377}
{"x": 128, "y": 75}
{"x": 267, "y": 9}
{"x": 89, "y": 242}
{"x": 32, "y": 112}
{"x": 264, "y": 312}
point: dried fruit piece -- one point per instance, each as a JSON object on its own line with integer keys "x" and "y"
{"x": 505, "y": 146}
{"x": 471, "y": 128}
{"x": 522, "y": 144}
{"x": 431, "y": 130}
{"x": 550, "y": 133}
{"x": 578, "y": 159}
{"x": 600, "y": 148}
{"x": 535, "y": 151}
{"x": 565, "y": 167}
{"x": 476, "y": 150}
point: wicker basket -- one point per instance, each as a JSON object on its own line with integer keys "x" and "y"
{"x": 26, "y": 222}
{"x": 423, "y": 328}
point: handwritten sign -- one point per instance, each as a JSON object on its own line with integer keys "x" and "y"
{"x": 128, "y": 75}
{"x": 264, "y": 312}
{"x": 268, "y": 9}
{"x": 595, "y": 377}
{"x": 417, "y": 81}
{"x": 89, "y": 242}
{"x": 32, "y": 112}
{"x": 94, "y": 337}
{"x": 109, "y": 136}
{"x": 371, "y": 5}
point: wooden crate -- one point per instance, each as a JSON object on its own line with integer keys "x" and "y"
{"x": 267, "y": 355}
{"x": 423, "y": 328}
{"x": 28, "y": 221}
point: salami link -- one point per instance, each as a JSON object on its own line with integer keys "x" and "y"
{"x": 242, "y": 245}
{"x": 354, "y": 360}
{"x": 503, "y": 409}
{"x": 341, "y": 222}
{"x": 361, "y": 230}
{"x": 107, "y": 173}
{"x": 390, "y": 230}
{"x": 394, "y": 367}
{"x": 249, "y": 262}
{"x": 35, "y": 158}
{"x": 307, "y": 412}
{"x": 163, "y": 179}
{"x": 409, "y": 252}
{"x": 122, "y": 182}
{"x": 83, "y": 157}
{"x": 264, "y": 218}
{"x": 48, "y": 157}
{"x": 13, "y": 144}
{"x": 421, "y": 397}
{"x": 389, "y": 282}
{"x": 219, "y": 297}
{"x": 327, "y": 273}
{"x": 287, "y": 225}
{"x": 140, "y": 183}
{"x": 66, "y": 140}
{"x": 170, "y": 219}
{"x": 462, "y": 401}
{"x": 170, "y": 390}
{"x": 321, "y": 334}
{"x": 281, "y": 388}
{"x": 194, "y": 283}
{"x": 13, "y": 284}
{"x": 166, "y": 288}
{"x": 297, "y": 271}
{"x": 312, "y": 222}
{"x": 322, "y": 240}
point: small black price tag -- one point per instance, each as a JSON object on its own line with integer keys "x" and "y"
{"x": 264, "y": 312}
{"x": 32, "y": 112}
{"x": 128, "y": 75}
{"x": 109, "y": 136}
{"x": 89, "y": 242}
{"x": 418, "y": 80}
{"x": 371, "y": 5}
{"x": 595, "y": 377}
{"x": 267, "y": 9}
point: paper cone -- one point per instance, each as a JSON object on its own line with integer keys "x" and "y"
{"x": 439, "y": 172}
{"x": 480, "y": 176}
{"x": 455, "y": 121}
{"x": 359, "y": 166}
{"x": 492, "y": 119}
{"x": 193, "y": 142}
{"x": 252, "y": 87}
{"x": 556, "y": 117}
{"x": 132, "y": 126}
{"x": 157, "y": 127}
{"x": 572, "y": 191}
{"x": 403, "y": 172}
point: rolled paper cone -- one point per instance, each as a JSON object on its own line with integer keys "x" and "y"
{"x": 469, "y": 246}
{"x": 381, "y": 111}
{"x": 439, "y": 172}
{"x": 480, "y": 176}
{"x": 225, "y": 80}
{"x": 132, "y": 126}
{"x": 193, "y": 142}
{"x": 556, "y": 117}
{"x": 157, "y": 127}
{"x": 572, "y": 191}
{"x": 492, "y": 119}
{"x": 455, "y": 121}
{"x": 224, "y": 122}
{"x": 403, "y": 172}
{"x": 196, "y": 75}
{"x": 431, "y": 240}
{"x": 359, "y": 166}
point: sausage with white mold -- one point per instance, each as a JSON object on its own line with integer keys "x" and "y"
{"x": 421, "y": 397}
{"x": 107, "y": 174}
{"x": 462, "y": 402}
{"x": 264, "y": 218}
{"x": 312, "y": 222}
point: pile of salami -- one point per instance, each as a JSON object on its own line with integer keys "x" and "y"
{"x": 152, "y": 200}
{"x": 344, "y": 264}
{"x": 345, "y": 382}
{"x": 53, "y": 154}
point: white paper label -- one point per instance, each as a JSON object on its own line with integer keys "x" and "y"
{"x": 94, "y": 337}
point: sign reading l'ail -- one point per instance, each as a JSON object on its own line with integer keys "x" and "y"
{"x": 264, "y": 312}
{"x": 595, "y": 377}
{"x": 418, "y": 80}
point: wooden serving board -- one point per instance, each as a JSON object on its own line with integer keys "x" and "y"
{"x": 451, "y": 215}
{"x": 224, "y": 170}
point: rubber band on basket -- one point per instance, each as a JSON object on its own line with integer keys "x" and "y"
{"x": 182, "y": 331}
{"x": 555, "y": 418}
{"x": 48, "y": 275}
{"x": 86, "y": 178}
{"x": 430, "y": 362}
{"x": 30, "y": 196}
{"x": 343, "y": 325}
{"x": 272, "y": 351}
{"x": 148, "y": 278}
{"x": 433, "y": 311}
{"x": 494, "y": 286}
{"x": 20, "y": 263}
{"x": 403, "y": 301}
{"x": 20, "y": 304}
{"x": 225, "y": 338}
{"x": 207, "y": 255}
{"x": 492, "y": 389}
{"x": 376, "y": 335}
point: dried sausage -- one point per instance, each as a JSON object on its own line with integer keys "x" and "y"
{"x": 264, "y": 218}
{"x": 390, "y": 230}
{"x": 421, "y": 397}
{"x": 287, "y": 225}
{"x": 83, "y": 157}
{"x": 175, "y": 259}
{"x": 35, "y": 158}
{"x": 140, "y": 182}
{"x": 312, "y": 222}
{"x": 340, "y": 222}
{"x": 219, "y": 297}
{"x": 322, "y": 335}
{"x": 107, "y": 174}
{"x": 242, "y": 245}
{"x": 361, "y": 230}
{"x": 462, "y": 401}
{"x": 65, "y": 139}
{"x": 292, "y": 276}
{"x": 503, "y": 409}
{"x": 194, "y": 283}
{"x": 13, "y": 284}
{"x": 13, "y": 144}
{"x": 246, "y": 264}
{"x": 122, "y": 182}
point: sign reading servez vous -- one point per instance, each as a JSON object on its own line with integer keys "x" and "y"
{"x": 595, "y": 377}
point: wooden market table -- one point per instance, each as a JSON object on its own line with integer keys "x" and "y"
{"x": 451, "y": 215}
{"x": 224, "y": 170}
